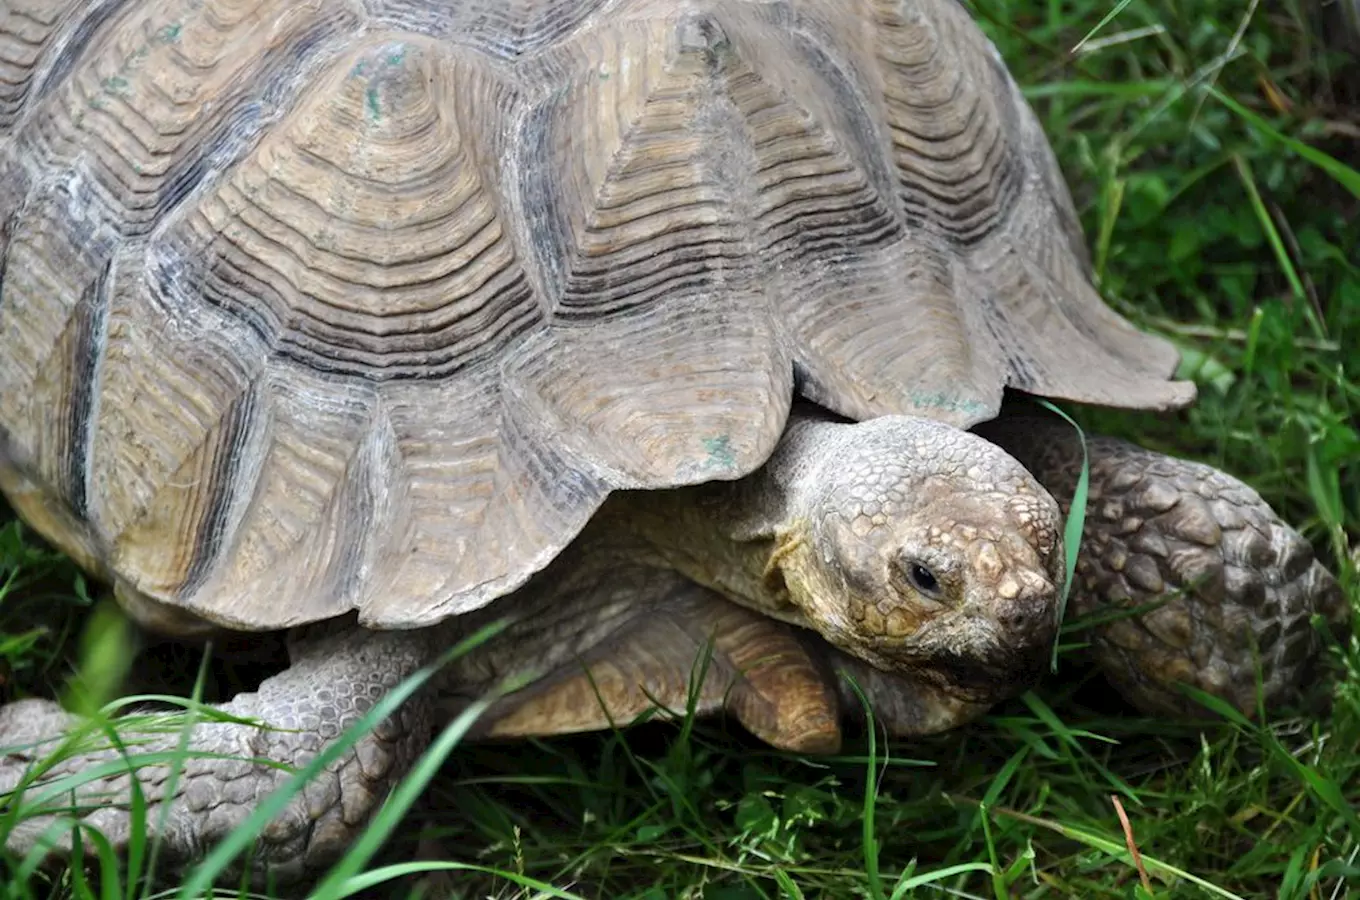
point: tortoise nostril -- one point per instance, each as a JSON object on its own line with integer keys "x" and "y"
{"x": 1025, "y": 614}
{"x": 1012, "y": 618}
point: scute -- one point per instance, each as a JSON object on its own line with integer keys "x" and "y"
{"x": 504, "y": 28}
{"x": 367, "y": 222}
{"x": 369, "y": 305}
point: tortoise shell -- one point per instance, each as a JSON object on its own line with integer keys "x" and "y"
{"x": 309, "y": 308}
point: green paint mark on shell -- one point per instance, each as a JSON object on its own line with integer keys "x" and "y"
{"x": 118, "y": 84}
{"x": 372, "y": 94}
{"x": 941, "y": 400}
{"x": 720, "y": 453}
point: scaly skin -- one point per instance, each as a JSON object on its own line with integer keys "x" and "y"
{"x": 336, "y": 675}
{"x": 1228, "y": 571}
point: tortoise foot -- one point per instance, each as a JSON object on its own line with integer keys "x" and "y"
{"x": 228, "y": 767}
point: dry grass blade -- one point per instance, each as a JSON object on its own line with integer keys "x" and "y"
{"x": 1131, "y": 843}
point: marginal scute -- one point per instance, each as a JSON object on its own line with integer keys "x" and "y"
{"x": 322, "y": 451}
{"x": 34, "y": 503}
{"x": 485, "y": 494}
{"x": 871, "y": 305}
{"x": 677, "y": 396}
{"x": 975, "y": 172}
{"x": 52, "y": 313}
{"x": 175, "y": 451}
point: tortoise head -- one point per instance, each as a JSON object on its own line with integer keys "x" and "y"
{"x": 925, "y": 551}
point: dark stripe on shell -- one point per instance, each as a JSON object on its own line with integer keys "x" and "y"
{"x": 224, "y": 483}
{"x": 91, "y": 324}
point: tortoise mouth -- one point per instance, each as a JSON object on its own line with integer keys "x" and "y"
{"x": 998, "y": 676}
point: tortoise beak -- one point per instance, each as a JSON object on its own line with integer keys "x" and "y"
{"x": 999, "y": 674}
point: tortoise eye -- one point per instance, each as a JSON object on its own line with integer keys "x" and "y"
{"x": 921, "y": 578}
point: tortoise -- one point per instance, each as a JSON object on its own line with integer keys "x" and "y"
{"x": 658, "y": 328}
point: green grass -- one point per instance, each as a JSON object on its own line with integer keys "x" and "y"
{"x": 1213, "y": 148}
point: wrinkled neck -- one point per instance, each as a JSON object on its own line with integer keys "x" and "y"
{"x": 698, "y": 532}
{"x": 726, "y": 535}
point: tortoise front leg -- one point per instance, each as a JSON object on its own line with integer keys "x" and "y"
{"x": 606, "y": 641}
{"x": 337, "y": 674}
{"x": 616, "y": 639}
{"x": 1227, "y": 572}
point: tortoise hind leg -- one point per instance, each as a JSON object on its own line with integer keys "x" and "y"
{"x": 1229, "y": 580}
{"x": 337, "y": 674}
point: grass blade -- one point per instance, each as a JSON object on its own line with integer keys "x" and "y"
{"x": 1076, "y": 524}
{"x": 1343, "y": 174}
